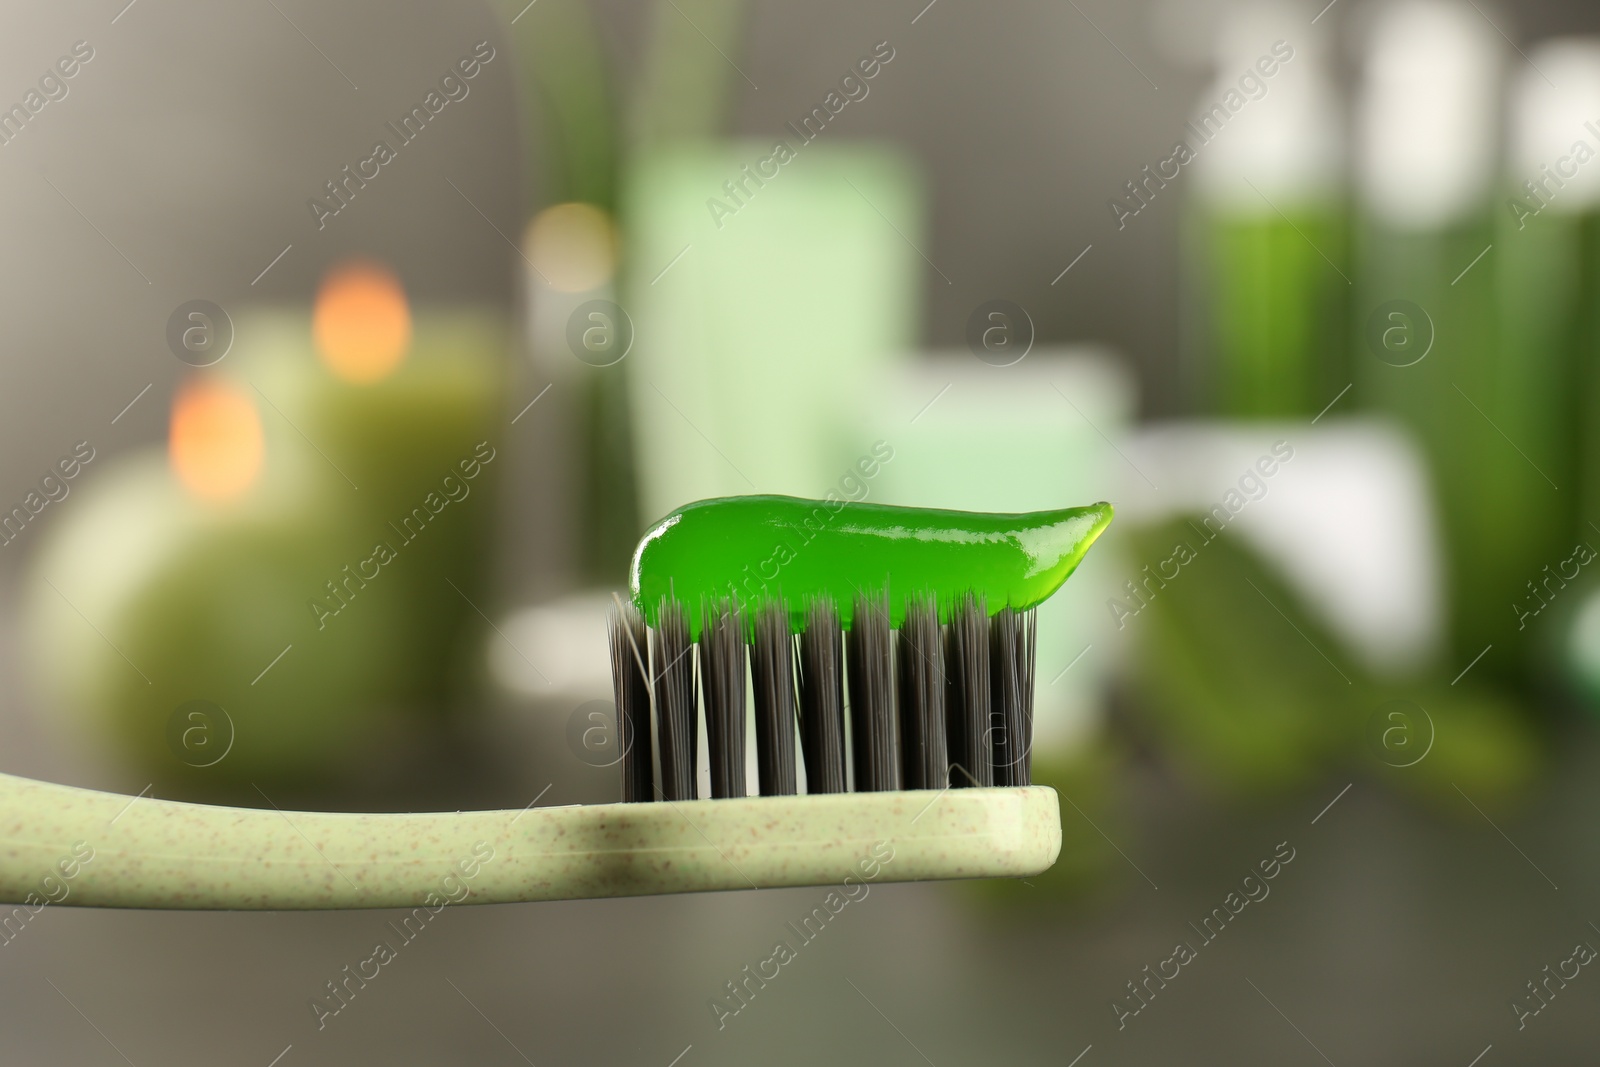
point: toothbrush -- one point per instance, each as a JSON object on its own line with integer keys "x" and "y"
{"x": 939, "y": 769}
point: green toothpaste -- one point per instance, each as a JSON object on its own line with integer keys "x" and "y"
{"x": 756, "y": 549}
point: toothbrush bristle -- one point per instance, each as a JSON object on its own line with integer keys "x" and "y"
{"x": 1012, "y": 645}
{"x": 920, "y": 674}
{"x": 967, "y": 693}
{"x": 629, "y": 647}
{"x": 932, "y": 707}
{"x": 873, "y": 737}
{"x": 722, "y": 688}
{"x": 821, "y": 670}
{"x": 772, "y": 671}
{"x": 672, "y": 661}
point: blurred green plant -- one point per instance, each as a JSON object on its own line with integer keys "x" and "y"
{"x": 1244, "y": 690}
{"x": 569, "y": 108}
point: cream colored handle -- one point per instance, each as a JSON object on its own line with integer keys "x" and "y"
{"x": 65, "y": 845}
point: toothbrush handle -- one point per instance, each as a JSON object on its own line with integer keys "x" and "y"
{"x": 66, "y": 845}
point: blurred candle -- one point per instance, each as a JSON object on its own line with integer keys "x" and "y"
{"x": 148, "y": 597}
{"x": 371, "y": 395}
{"x": 308, "y": 556}
{"x": 388, "y": 439}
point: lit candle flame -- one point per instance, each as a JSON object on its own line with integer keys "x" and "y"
{"x": 362, "y": 323}
{"x": 214, "y": 441}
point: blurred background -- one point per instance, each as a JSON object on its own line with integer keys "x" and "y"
{"x": 351, "y": 349}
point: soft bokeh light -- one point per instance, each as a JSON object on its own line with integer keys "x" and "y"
{"x": 362, "y": 322}
{"x": 574, "y": 246}
{"x": 215, "y": 441}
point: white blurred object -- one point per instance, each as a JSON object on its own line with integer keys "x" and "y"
{"x": 1347, "y": 520}
{"x": 1429, "y": 112}
{"x": 1582, "y": 652}
{"x": 1556, "y": 105}
{"x": 558, "y": 655}
{"x": 1027, "y": 437}
{"x": 569, "y": 253}
{"x": 556, "y": 651}
{"x": 1287, "y": 142}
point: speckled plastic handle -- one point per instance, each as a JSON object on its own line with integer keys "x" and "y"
{"x": 147, "y": 853}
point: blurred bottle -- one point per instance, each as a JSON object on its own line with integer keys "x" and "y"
{"x": 1267, "y": 223}
{"x": 1429, "y": 352}
{"x": 578, "y": 340}
{"x": 1549, "y": 298}
{"x": 578, "y": 510}
{"x": 1551, "y": 236}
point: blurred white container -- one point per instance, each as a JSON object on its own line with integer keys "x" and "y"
{"x": 1285, "y": 147}
{"x": 1556, "y": 105}
{"x": 1429, "y": 112}
{"x": 761, "y": 317}
{"x": 1034, "y": 435}
{"x": 1346, "y": 520}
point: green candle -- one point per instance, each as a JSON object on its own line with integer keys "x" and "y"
{"x": 384, "y": 443}
{"x": 397, "y": 452}
{"x": 319, "y": 602}
{"x": 147, "y": 598}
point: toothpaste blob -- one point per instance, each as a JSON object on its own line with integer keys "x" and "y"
{"x": 756, "y": 549}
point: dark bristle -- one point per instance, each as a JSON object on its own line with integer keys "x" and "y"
{"x": 919, "y": 659}
{"x": 629, "y": 646}
{"x": 967, "y": 692}
{"x": 722, "y": 690}
{"x": 821, "y": 662}
{"x": 672, "y": 661}
{"x": 1011, "y": 659}
{"x": 872, "y": 720}
{"x": 932, "y": 708}
{"x": 772, "y": 672}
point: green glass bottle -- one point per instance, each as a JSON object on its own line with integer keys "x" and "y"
{"x": 1550, "y": 233}
{"x": 1265, "y": 232}
{"x": 1432, "y": 352}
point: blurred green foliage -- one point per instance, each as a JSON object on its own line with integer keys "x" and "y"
{"x": 1243, "y": 690}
